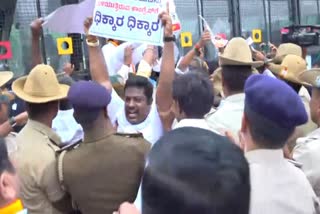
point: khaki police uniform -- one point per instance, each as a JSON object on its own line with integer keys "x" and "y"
{"x": 230, "y": 111}
{"x": 307, "y": 149}
{"x": 35, "y": 157}
{"x": 309, "y": 126}
{"x": 104, "y": 171}
{"x": 36, "y": 167}
{"x": 307, "y": 152}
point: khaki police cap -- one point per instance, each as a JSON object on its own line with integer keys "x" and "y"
{"x": 311, "y": 77}
{"x": 291, "y": 67}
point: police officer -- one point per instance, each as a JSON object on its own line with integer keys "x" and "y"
{"x": 38, "y": 143}
{"x": 105, "y": 170}
{"x": 236, "y": 66}
{"x": 307, "y": 150}
{"x": 281, "y": 52}
{"x": 276, "y": 185}
{"x": 291, "y": 68}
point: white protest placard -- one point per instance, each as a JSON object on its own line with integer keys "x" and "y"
{"x": 69, "y": 18}
{"x": 133, "y": 21}
{"x": 216, "y": 39}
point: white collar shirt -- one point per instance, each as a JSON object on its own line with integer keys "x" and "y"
{"x": 196, "y": 123}
{"x": 277, "y": 186}
{"x": 67, "y": 128}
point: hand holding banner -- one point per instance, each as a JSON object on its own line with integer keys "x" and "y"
{"x": 217, "y": 40}
{"x": 134, "y": 21}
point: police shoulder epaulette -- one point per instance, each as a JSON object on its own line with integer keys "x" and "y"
{"x": 132, "y": 135}
{"x": 69, "y": 146}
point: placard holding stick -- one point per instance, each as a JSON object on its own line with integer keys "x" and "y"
{"x": 134, "y": 21}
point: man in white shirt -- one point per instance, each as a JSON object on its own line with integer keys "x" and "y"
{"x": 64, "y": 123}
{"x": 237, "y": 64}
{"x": 138, "y": 112}
{"x": 307, "y": 149}
{"x": 271, "y": 113}
{"x": 192, "y": 100}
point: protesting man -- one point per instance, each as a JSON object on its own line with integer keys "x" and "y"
{"x": 139, "y": 113}
{"x": 192, "y": 99}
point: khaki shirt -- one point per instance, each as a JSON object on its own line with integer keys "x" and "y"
{"x": 309, "y": 126}
{"x": 36, "y": 164}
{"x": 307, "y": 152}
{"x": 11, "y": 142}
{"x": 104, "y": 171}
{"x": 228, "y": 116}
{"x": 305, "y": 129}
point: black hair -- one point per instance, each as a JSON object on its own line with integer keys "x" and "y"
{"x": 201, "y": 66}
{"x": 235, "y": 76}
{"x": 86, "y": 116}
{"x": 192, "y": 170}
{"x": 193, "y": 92}
{"x": 136, "y": 81}
{"x": 36, "y": 110}
{"x": 5, "y": 163}
{"x": 266, "y": 133}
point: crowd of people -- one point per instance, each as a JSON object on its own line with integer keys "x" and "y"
{"x": 163, "y": 136}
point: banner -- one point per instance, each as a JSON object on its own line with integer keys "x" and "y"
{"x": 69, "y": 18}
{"x": 134, "y": 21}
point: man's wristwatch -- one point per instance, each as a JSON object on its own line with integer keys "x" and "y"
{"x": 12, "y": 122}
{"x": 169, "y": 38}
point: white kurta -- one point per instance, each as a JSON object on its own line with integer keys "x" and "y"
{"x": 277, "y": 186}
{"x": 151, "y": 127}
{"x": 307, "y": 152}
{"x": 67, "y": 127}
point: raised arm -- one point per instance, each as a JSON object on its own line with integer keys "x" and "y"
{"x": 36, "y": 28}
{"x": 98, "y": 67}
{"x": 187, "y": 59}
{"x": 164, "y": 91}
